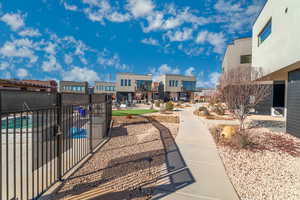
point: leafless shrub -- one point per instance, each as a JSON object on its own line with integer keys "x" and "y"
{"x": 241, "y": 94}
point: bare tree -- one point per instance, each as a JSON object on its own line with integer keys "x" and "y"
{"x": 242, "y": 93}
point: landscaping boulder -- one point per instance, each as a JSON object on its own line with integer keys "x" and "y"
{"x": 228, "y": 132}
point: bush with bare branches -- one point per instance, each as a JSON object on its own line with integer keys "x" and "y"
{"x": 241, "y": 94}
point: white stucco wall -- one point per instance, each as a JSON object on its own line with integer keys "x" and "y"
{"x": 282, "y": 47}
{"x": 232, "y": 57}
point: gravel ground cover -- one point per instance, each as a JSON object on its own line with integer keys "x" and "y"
{"x": 125, "y": 167}
{"x": 268, "y": 169}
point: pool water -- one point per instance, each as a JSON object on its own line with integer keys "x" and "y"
{"x": 16, "y": 122}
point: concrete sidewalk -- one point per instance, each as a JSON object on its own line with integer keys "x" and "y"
{"x": 194, "y": 168}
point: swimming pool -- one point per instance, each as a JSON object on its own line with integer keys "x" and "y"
{"x": 16, "y": 122}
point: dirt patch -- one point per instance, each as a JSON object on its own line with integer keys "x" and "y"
{"x": 126, "y": 166}
{"x": 165, "y": 119}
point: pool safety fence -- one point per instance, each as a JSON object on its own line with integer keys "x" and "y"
{"x": 44, "y": 135}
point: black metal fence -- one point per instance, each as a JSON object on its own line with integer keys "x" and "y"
{"x": 44, "y": 135}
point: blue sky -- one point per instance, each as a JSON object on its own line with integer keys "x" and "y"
{"x": 89, "y": 40}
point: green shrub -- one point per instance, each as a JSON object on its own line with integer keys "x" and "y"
{"x": 202, "y": 108}
{"x": 157, "y": 103}
{"x": 169, "y": 106}
{"x": 219, "y": 110}
{"x": 215, "y": 132}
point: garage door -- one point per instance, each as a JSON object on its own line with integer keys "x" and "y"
{"x": 293, "y": 104}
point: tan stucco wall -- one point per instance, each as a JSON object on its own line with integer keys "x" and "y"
{"x": 165, "y": 80}
{"x": 96, "y": 91}
{"x": 234, "y": 52}
{"x": 133, "y": 78}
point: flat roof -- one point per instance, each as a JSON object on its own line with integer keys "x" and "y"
{"x": 130, "y": 73}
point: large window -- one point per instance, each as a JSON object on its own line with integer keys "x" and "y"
{"x": 122, "y": 82}
{"x": 246, "y": 59}
{"x": 143, "y": 85}
{"x": 266, "y": 31}
{"x": 189, "y": 85}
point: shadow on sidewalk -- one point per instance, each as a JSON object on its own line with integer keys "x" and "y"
{"x": 177, "y": 174}
{"x": 104, "y": 182}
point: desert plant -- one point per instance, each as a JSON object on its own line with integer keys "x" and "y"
{"x": 241, "y": 94}
{"x": 240, "y": 140}
{"x": 215, "y": 132}
{"x": 219, "y": 110}
{"x": 157, "y": 103}
{"x": 151, "y": 107}
{"x": 202, "y": 108}
{"x": 169, "y": 106}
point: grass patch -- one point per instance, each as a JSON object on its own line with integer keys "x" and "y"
{"x": 132, "y": 112}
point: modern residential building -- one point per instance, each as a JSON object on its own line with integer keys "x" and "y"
{"x": 203, "y": 94}
{"x": 73, "y": 87}
{"x": 238, "y": 54}
{"x": 28, "y": 85}
{"x": 276, "y": 51}
{"x": 131, "y": 87}
{"x": 102, "y": 87}
{"x": 178, "y": 87}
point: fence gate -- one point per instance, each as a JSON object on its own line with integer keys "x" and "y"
{"x": 44, "y": 135}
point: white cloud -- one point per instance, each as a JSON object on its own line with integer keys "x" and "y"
{"x": 80, "y": 74}
{"x": 202, "y": 36}
{"x": 155, "y": 22}
{"x": 4, "y": 65}
{"x": 227, "y": 6}
{"x": 68, "y": 59}
{"x": 18, "y": 48}
{"x": 70, "y": 7}
{"x": 235, "y": 17}
{"x": 30, "y": 32}
{"x": 211, "y": 82}
{"x": 140, "y": 8}
{"x": 22, "y": 73}
{"x": 14, "y": 20}
{"x": 163, "y": 69}
{"x": 217, "y": 40}
{"x": 179, "y": 36}
{"x": 51, "y": 64}
{"x": 150, "y": 41}
{"x": 190, "y": 71}
{"x": 107, "y": 59}
{"x": 99, "y": 10}
{"x": 191, "y": 50}
{"x": 118, "y": 17}
{"x": 50, "y": 48}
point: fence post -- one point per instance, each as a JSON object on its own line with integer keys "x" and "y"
{"x": 91, "y": 123}
{"x": 59, "y": 136}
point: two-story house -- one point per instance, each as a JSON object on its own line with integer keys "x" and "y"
{"x": 276, "y": 51}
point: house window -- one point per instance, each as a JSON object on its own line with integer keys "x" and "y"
{"x": 245, "y": 59}
{"x": 266, "y": 31}
{"x": 122, "y": 82}
{"x": 129, "y": 82}
{"x": 170, "y": 83}
{"x": 125, "y": 82}
{"x": 176, "y": 83}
